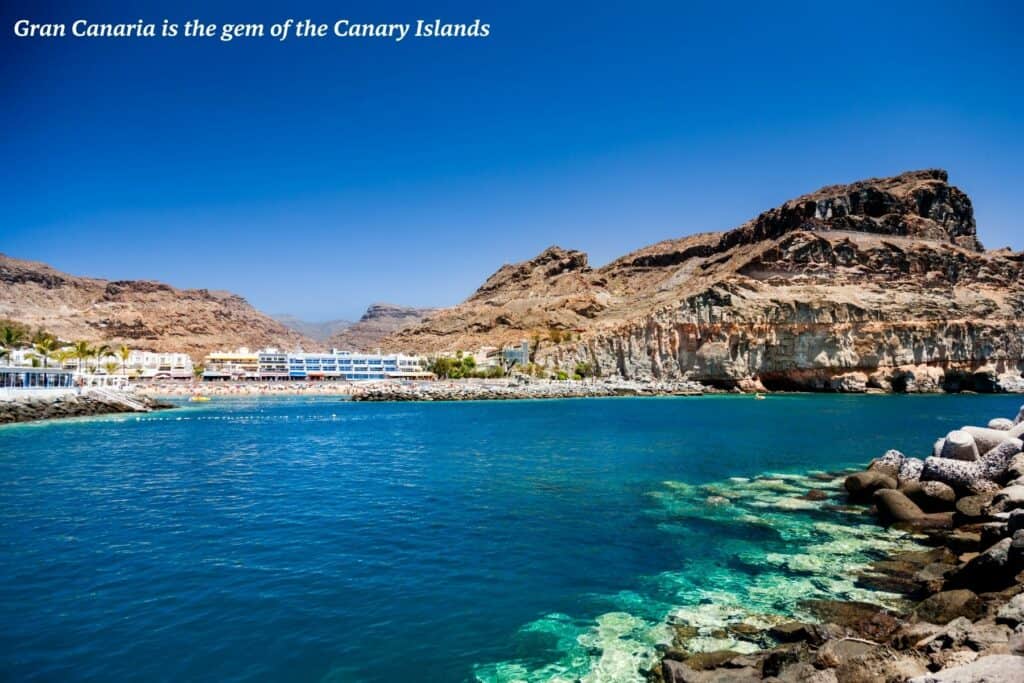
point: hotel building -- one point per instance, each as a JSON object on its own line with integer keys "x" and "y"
{"x": 275, "y": 365}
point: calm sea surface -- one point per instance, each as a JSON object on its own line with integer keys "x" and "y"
{"x": 320, "y": 540}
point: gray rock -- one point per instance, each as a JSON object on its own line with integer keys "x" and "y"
{"x": 986, "y": 439}
{"x": 946, "y": 606}
{"x": 1010, "y": 498}
{"x": 960, "y": 445}
{"x": 1012, "y": 613}
{"x": 993, "y": 569}
{"x": 988, "y": 637}
{"x": 955, "y": 473}
{"x": 953, "y": 635}
{"x": 990, "y": 669}
{"x": 939, "y": 495}
{"x": 995, "y": 463}
{"x": 1002, "y": 423}
{"x": 910, "y": 470}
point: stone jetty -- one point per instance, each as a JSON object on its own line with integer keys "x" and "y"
{"x": 963, "y": 589}
{"x": 87, "y": 403}
{"x": 511, "y": 390}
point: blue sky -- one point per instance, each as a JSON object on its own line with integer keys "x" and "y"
{"x": 316, "y": 177}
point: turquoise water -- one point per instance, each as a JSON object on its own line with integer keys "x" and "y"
{"x": 319, "y": 540}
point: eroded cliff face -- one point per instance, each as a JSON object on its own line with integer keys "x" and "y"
{"x": 376, "y": 323}
{"x": 880, "y": 283}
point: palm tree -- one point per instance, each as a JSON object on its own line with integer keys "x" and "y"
{"x": 62, "y": 356}
{"x": 124, "y": 353}
{"x": 82, "y": 351}
{"x": 110, "y": 367}
{"x": 44, "y": 347}
{"x": 11, "y": 337}
{"x": 101, "y": 352}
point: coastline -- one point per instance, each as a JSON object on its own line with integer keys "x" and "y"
{"x": 961, "y": 617}
{"x": 466, "y": 390}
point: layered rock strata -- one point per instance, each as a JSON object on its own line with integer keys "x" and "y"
{"x": 878, "y": 284}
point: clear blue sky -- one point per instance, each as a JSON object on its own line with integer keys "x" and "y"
{"x": 316, "y": 177}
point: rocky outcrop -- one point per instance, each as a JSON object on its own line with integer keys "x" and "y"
{"x": 31, "y": 409}
{"x": 962, "y": 619}
{"x": 143, "y": 314}
{"x": 378, "y": 322}
{"x": 880, "y": 284}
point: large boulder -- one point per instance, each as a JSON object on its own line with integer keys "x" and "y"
{"x": 931, "y": 496}
{"x": 956, "y": 473}
{"x": 1012, "y": 613}
{"x": 862, "y": 485}
{"x": 946, "y": 606}
{"x": 996, "y": 462}
{"x": 1003, "y": 423}
{"x": 990, "y": 669}
{"x": 1010, "y": 498}
{"x": 960, "y": 445}
{"x": 986, "y": 439}
{"x": 994, "y": 569}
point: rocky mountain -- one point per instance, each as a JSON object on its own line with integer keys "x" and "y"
{"x": 879, "y": 283}
{"x": 317, "y": 331}
{"x": 379, "y": 321}
{"x": 141, "y": 313}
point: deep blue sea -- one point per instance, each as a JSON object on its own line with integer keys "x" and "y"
{"x": 301, "y": 539}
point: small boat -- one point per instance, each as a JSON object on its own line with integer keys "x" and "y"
{"x": 199, "y": 399}
{"x": 759, "y": 397}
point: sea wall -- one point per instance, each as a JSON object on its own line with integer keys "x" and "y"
{"x": 504, "y": 390}
{"x": 61, "y": 405}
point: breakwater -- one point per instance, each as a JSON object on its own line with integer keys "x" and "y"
{"x": 962, "y": 613}
{"x": 34, "y": 408}
{"x": 491, "y": 391}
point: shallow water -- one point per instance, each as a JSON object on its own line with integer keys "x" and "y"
{"x": 318, "y": 540}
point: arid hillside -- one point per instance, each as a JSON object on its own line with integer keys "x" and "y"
{"x": 144, "y": 314}
{"x": 879, "y": 283}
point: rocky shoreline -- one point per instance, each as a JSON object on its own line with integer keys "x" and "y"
{"x": 963, "y": 614}
{"x": 495, "y": 391}
{"x": 86, "y": 404}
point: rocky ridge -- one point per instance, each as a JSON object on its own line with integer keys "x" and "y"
{"x": 379, "y": 321}
{"x": 878, "y": 284}
{"x": 141, "y": 313}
